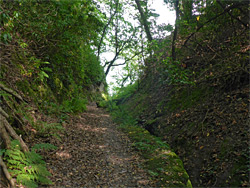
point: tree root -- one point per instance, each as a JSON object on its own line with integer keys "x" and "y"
{"x": 6, "y": 173}
{"x": 4, "y": 135}
{"x": 10, "y": 91}
{"x": 3, "y": 113}
{"x": 7, "y": 131}
{"x": 13, "y": 133}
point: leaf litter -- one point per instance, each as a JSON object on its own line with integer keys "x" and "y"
{"x": 94, "y": 153}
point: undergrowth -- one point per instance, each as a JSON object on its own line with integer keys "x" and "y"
{"x": 42, "y": 128}
{"x": 161, "y": 163}
{"x": 28, "y": 168}
{"x": 188, "y": 98}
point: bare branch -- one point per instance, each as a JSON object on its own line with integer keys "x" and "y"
{"x": 105, "y": 29}
{"x": 119, "y": 64}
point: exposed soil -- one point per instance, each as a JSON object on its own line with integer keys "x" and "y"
{"x": 93, "y": 153}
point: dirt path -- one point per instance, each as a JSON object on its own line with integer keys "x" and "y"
{"x": 95, "y": 154}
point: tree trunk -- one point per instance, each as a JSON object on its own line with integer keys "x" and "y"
{"x": 177, "y": 10}
{"x": 144, "y": 21}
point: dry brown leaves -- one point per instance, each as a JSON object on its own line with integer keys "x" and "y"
{"x": 93, "y": 153}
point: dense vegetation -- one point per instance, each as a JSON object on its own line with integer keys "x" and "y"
{"x": 48, "y": 65}
{"x": 194, "y": 92}
{"x": 189, "y": 88}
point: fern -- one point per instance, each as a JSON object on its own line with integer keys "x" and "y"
{"x": 33, "y": 157}
{"x": 13, "y": 162}
{"x": 29, "y": 167}
{"x": 2, "y": 151}
{"x": 45, "y": 129}
{"x": 44, "y": 146}
{"x": 26, "y": 180}
{"x": 44, "y": 180}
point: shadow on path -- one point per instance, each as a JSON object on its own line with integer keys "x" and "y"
{"x": 93, "y": 153}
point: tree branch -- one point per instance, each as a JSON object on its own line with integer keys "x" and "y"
{"x": 118, "y": 51}
{"x": 176, "y": 29}
{"x": 218, "y": 1}
{"x": 104, "y": 31}
{"x": 119, "y": 64}
{"x": 124, "y": 80}
{"x": 210, "y": 20}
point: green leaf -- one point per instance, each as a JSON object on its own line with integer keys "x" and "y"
{"x": 152, "y": 173}
{"x": 45, "y": 146}
{"x": 45, "y": 62}
{"x": 44, "y": 74}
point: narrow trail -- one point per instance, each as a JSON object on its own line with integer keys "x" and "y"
{"x": 94, "y": 153}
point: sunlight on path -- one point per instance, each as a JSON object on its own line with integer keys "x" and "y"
{"x": 93, "y": 153}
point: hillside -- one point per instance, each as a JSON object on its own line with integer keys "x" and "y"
{"x": 46, "y": 74}
{"x": 180, "y": 108}
{"x": 207, "y": 128}
{"x": 199, "y": 104}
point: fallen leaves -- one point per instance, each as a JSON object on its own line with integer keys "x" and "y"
{"x": 94, "y": 154}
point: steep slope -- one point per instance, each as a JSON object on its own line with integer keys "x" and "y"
{"x": 46, "y": 74}
{"x": 207, "y": 129}
{"x": 199, "y": 104}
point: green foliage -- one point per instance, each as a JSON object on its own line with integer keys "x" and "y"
{"x": 28, "y": 168}
{"x": 176, "y": 73}
{"x": 121, "y": 95}
{"x": 188, "y": 98}
{"x": 43, "y": 146}
{"x": 44, "y": 129}
{"x": 44, "y": 56}
{"x": 161, "y": 162}
{"x": 74, "y": 105}
{"x": 125, "y": 92}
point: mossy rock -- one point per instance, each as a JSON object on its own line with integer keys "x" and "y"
{"x": 161, "y": 162}
{"x": 169, "y": 170}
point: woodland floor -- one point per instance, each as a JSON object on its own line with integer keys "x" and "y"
{"x": 94, "y": 153}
